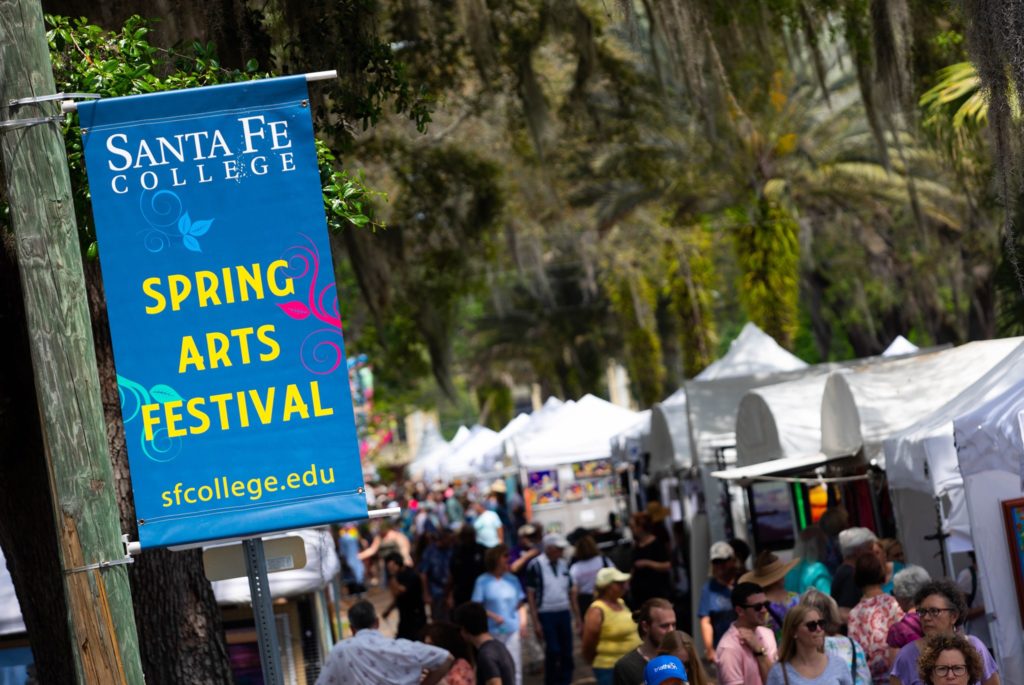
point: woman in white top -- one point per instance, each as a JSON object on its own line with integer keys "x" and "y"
{"x": 588, "y": 561}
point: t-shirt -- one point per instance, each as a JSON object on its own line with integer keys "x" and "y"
{"x": 494, "y": 661}
{"x": 905, "y": 666}
{"x": 836, "y": 672}
{"x": 584, "y": 573}
{"x": 646, "y": 582}
{"x": 487, "y": 524}
{"x": 808, "y": 574}
{"x": 737, "y": 665}
{"x": 716, "y": 604}
{"x": 501, "y": 596}
{"x": 851, "y": 654}
{"x": 629, "y": 670}
{"x": 844, "y": 590}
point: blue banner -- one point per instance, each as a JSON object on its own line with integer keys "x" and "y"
{"x": 223, "y": 311}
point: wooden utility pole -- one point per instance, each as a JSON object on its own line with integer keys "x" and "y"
{"x": 42, "y": 214}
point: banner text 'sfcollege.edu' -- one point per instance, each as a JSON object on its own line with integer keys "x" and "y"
{"x": 223, "y": 311}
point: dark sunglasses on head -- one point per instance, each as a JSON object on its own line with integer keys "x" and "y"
{"x": 757, "y": 606}
{"x": 815, "y": 626}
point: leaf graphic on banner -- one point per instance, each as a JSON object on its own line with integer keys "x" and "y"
{"x": 295, "y": 309}
{"x": 191, "y": 243}
{"x": 200, "y": 227}
{"x": 184, "y": 224}
{"x": 163, "y": 393}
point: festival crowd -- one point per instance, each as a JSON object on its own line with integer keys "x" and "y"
{"x": 482, "y": 595}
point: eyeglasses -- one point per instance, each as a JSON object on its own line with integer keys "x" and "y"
{"x": 943, "y": 671}
{"x": 757, "y": 606}
{"x": 931, "y": 612}
{"x": 815, "y": 626}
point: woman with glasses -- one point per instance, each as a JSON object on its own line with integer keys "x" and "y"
{"x": 873, "y": 615}
{"x": 802, "y": 657}
{"x": 942, "y": 608}
{"x": 949, "y": 659}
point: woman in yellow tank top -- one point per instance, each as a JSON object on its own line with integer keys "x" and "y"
{"x": 609, "y": 632}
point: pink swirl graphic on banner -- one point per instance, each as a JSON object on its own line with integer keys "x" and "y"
{"x": 322, "y": 350}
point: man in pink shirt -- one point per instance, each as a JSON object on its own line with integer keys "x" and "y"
{"x": 747, "y": 650}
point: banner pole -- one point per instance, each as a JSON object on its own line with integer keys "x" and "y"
{"x": 72, "y": 106}
{"x": 263, "y": 611}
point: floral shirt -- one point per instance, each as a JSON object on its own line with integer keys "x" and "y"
{"x": 869, "y": 625}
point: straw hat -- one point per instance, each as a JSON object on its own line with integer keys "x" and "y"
{"x": 498, "y": 486}
{"x": 768, "y": 570}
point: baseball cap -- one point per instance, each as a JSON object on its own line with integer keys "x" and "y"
{"x": 661, "y": 668}
{"x": 555, "y": 540}
{"x": 609, "y": 575}
{"x": 720, "y": 551}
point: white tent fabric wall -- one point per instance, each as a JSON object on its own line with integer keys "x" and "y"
{"x": 11, "y": 621}
{"x": 433, "y": 447}
{"x": 321, "y": 566}
{"x": 491, "y": 457}
{"x": 923, "y": 458}
{"x": 628, "y": 445}
{"x": 863, "y": 406}
{"x": 990, "y": 451}
{"x": 578, "y": 432}
{"x": 782, "y": 420}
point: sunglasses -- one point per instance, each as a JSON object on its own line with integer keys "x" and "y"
{"x": 815, "y": 626}
{"x": 757, "y": 606}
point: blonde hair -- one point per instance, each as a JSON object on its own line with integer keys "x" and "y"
{"x": 676, "y": 640}
{"x": 794, "y": 617}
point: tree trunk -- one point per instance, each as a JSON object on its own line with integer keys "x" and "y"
{"x": 28, "y": 533}
{"x": 178, "y": 620}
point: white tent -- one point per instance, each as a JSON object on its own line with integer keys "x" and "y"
{"x": 321, "y": 566}
{"x": 10, "y": 611}
{"x": 922, "y": 458}
{"x": 900, "y": 346}
{"x": 579, "y": 431}
{"x": 628, "y": 445}
{"x": 865, "y": 405}
{"x": 990, "y": 451}
{"x": 492, "y": 456}
{"x": 751, "y": 355}
{"x": 752, "y": 352}
{"x": 435, "y": 451}
{"x": 469, "y": 456}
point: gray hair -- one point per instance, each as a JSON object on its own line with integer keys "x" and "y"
{"x": 908, "y": 581}
{"x": 852, "y": 540}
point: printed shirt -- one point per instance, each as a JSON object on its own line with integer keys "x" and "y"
{"x": 369, "y": 658}
{"x": 848, "y": 650}
{"x": 869, "y": 625}
{"x": 434, "y": 565}
{"x": 501, "y": 596}
{"x": 737, "y": 665}
{"x": 551, "y": 582}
